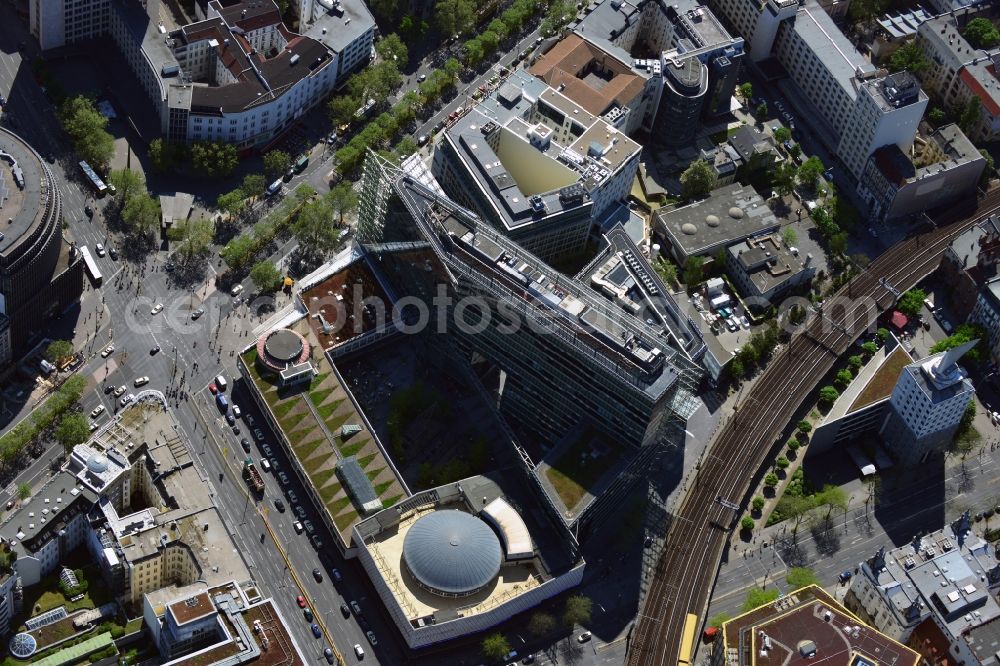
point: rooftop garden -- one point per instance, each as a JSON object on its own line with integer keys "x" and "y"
{"x": 311, "y": 416}
{"x": 883, "y": 381}
{"x": 580, "y": 466}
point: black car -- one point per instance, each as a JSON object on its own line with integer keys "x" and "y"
{"x": 245, "y": 444}
{"x": 154, "y": 351}
{"x": 170, "y": 266}
{"x": 328, "y": 653}
{"x": 113, "y": 253}
{"x": 108, "y": 389}
{"x": 88, "y": 211}
{"x": 318, "y": 575}
{"x": 279, "y": 505}
{"x": 345, "y": 610}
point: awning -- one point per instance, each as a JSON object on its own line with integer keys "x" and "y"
{"x": 899, "y": 319}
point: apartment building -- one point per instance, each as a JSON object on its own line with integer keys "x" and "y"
{"x": 895, "y": 187}
{"x": 757, "y": 22}
{"x": 536, "y": 165}
{"x": 942, "y": 584}
{"x": 56, "y": 23}
{"x": 927, "y": 405}
{"x": 763, "y": 268}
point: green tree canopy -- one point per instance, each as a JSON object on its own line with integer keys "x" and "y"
{"x": 981, "y": 33}
{"x": 758, "y": 503}
{"x": 577, "y": 610}
{"x": 911, "y": 302}
{"x": 253, "y": 185}
{"x": 747, "y": 524}
{"x": 23, "y": 491}
{"x": 789, "y": 236}
{"x": 541, "y": 623}
{"x": 313, "y": 229}
{"x": 195, "y": 237}
{"x": 495, "y": 647}
{"x": 782, "y": 134}
{"x": 392, "y": 48}
{"x": 163, "y": 155}
{"x": 757, "y": 597}
{"x": 833, "y": 497}
{"x": 990, "y": 169}
{"x": 128, "y": 183}
{"x": 963, "y": 333}
{"x": 804, "y": 426}
{"x": 760, "y": 113}
{"x": 73, "y": 429}
{"x": 266, "y": 276}
{"x": 801, "y": 577}
{"x": 843, "y": 377}
{"x": 698, "y": 180}
{"x": 745, "y": 90}
{"x": 214, "y": 159}
{"x": 142, "y": 214}
{"x": 694, "y": 271}
{"x": 771, "y": 480}
{"x": 882, "y": 334}
{"x": 810, "y": 172}
{"x": 277, "y": 162}
{"x": 87, "y": 128}
{"x": 909, "y": 57}
{"x": 969, "y": 114}
{"x": 784, "y": 178}
{"x": 869, "y": 348}
{"x": 828, "y": 395}
{"x": 453, "y": 17}
{"x": 58, "y": 350}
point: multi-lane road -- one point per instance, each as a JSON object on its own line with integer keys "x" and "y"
{"x": 702, "y": 525}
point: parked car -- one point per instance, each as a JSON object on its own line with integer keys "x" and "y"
{"x": 318, "y": 575}
{"x": 345, "y": 610}
{"x": 236, "y": 411}
{"x": 328, "y": 653}
{"x": 355, "y": 607}
{"x": 197, "y": 313}
{"x": 97, "y": 411}
{"x": 845, "y": 576}
{"x": 229, "y": 418}
{"x": 359, "y": 651}
{"x": 297, "y": 526}
{"x": 245, "y": 444}
{"x": 292, "y": 497}
{"x": 283, "y": 478}
{"x": 336, "y": 575}
{"x": 316, "y": 632}
{"x": 307, "y": 614}
{"x": 113, "y": 253}
{"x": 584, "y": 637}
{"x": 108, "y": 351}
{"x": 127, "y": 399}
{"x": 371, "y": 638}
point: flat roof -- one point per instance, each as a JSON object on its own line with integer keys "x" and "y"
{"x": 24, "y": 207}
{"x": 766, "y": 262}
{"x": 807, "y": 625}
{"x": 191, "y": 608}
{"x": 703, "y": 226}
{"x": 820, "y": 34}
{"x": 341, "y": 25}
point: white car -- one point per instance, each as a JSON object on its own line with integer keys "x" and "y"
{"x": 100, "y": 250}
{"x": 108, "y": 351}
{"x": 237, "y": 290}
{"x": 121, "y": 389}
{"x": 421, "y": 78}
{"x": 97, "y": 411}
{"x": 236, "y": 411}
{"x": 127, "y": 399}
{"x": 93, "y": 426}
{"x": 298, "y": 527}
{"x": 139, "y": 381}
{"x": 745, "y": 322}
{"x": 156, "y": 309}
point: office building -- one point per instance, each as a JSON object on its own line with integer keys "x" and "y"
{"x": 757, "y": 22}
{"x": 40, "y": 274}
{"x": 943, "y": 583}
{"x": 238, "y": 75}
{"x": 763, "y": 268}
{"x": 226, "y": 624}
{"x": 927, "y": 406}
{"x": 805, "y": 626}
{"x": 536, "y": 165}
{"x": 895, "y": 187}
{"x": 458, "y": 559}
{"x": 728, "y": 215}
{"x": 615, "y": 374}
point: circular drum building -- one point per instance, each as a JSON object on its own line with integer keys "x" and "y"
{"x": 282, "y": 348}
{"x": 452, "y": 553}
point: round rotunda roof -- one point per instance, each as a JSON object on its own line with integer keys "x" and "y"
{"x": 452, "y": 553}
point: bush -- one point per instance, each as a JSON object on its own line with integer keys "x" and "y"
{"x": 869, "y": 348}
{"x": 855, "y": 362}
{"x": 882, "y": 334}
{"x": 782, "y": 463}
{"x": 828, "y": 395}
{"x": 747, "y": 524}
{"x": 804, "y": 426}
{"x": 793, "y": 445}
{"x": 771, "y": 480}
{"x": 758, "y": 503}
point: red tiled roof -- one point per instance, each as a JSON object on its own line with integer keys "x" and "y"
{"x": 989, "y": 103}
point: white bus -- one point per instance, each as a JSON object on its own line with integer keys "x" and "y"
{"x": 95, "y": 273}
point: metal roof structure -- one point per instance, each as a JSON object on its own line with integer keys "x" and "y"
{"x": 452, "y": 553}
{"x": 358, "y": 486}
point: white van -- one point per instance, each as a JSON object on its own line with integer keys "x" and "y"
{"x": 265, "y": 464}
{"x": 220, "y": 383}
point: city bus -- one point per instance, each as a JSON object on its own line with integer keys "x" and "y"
{"x": 88, "y": 261}
{"x": 687, "y": 640}
{"x": 93, "y": 179}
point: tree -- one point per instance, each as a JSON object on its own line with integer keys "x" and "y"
{"x": 981, "y": 33}
{"x": 760, "y": 113}
{"x": 989, "y": 171}
{"x": 387, "y": 11}
{"x": 781, "y": 462}
{"x": 793, "y": 445}
{"x": 963, "y": 333}
{"x": 782, "y": 134}
{"x": 667, "y": 270}
{"x": 936, "y": 116}
{"x": 828, "y": 395}
{"x": 253, "y": 185}
{"x": 577, "y": 610}
{"x": 833, "y": 497}
{"x": 747, "y": 524}
{"x": 475, "y": 51}
{"x": 855, "y": 363}
{"x": 73, "y": 429}
{"x": 736, "y": 369}
{"x": 694, "y": 271}
{"x": 745, "y": 90}
{"x": 58, "y": 350}
{"x": 810, "y": 172}
{"x": 277, "y": 162}
{"x": 784, "y": 178}
{"x": 758, "y": 503}
{"x": 196, "y": 234}
{"x": 495, "y": 647}
{"x": 757, "y": 597}
{"x": 128, "y": 183}
{"x": 162, "y": 155}
{"x": 869, "y": 348}
{"x": 771, "y": 480}
{"x": 214, "y": 159}
{"x": 837, "y": 243}
{"x": 910, "y": 57}
{"x": 804, "y": 426}
{"x": 882, "y": 334}
{"x": 969, "y": 114}
{"x": 266, "y": 276}
{"x": 911, "y": 302}
{"x": 142, "y": 214}
{"x": 698, "y": 180}
{"x": 406, "y": 146}
{"x": 789, "y": 236}
{"x": 87, "y": 128}
{"x": 874, "y": 484}
{"x": 313, "y": 229}
{"x": 541, "y": 623}
{"x": 23, "y": 491}
{"x": 343, "y": 200}
{"x": 801, "y": 577}
{"x": 453, "y": 17}
{"x": 392, "y": 48}
{"x": 864, "y": 10}
{"x": 843, "y": 377}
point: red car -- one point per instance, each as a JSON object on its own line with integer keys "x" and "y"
{"x": 301, "y": 601}
{"x": 212, "y": 388}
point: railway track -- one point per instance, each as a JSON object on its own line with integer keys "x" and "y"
{"x": 701, "y": 526}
